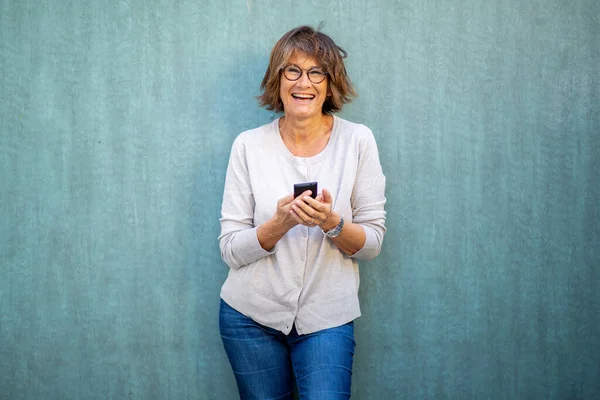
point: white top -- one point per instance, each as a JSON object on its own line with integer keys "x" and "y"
{"x": 305, "y": 280}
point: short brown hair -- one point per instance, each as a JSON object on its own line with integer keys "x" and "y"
{"x": 314, "y": 43}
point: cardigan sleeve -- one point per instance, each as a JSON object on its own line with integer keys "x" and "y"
{"x": 238, "y": 240}
{"x": 368, "y": 198}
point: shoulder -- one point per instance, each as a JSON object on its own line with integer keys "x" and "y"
{"x": 353, "y": 129}
{"x": 257, "y": 135}
{"x": 354, "y": 132}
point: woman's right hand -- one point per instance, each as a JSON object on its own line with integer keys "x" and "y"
{"x": 283, "y": 218}
{"x": 282, "y": 221}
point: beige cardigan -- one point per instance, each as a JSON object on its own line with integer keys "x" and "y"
{"x": 305, "y": 280}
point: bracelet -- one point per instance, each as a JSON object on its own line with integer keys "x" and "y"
{"x": 335, "y": 231}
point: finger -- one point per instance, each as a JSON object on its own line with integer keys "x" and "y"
{"x": 312, "y": 208}
{"x": 299, "y": 219}
{"x": 327, "y": 196}
{"x": 286, "y": 200}
{"x": 307, "y": 214}
{"x": 316, "y": 205}
{"x": 295, "y": 217}
{"x": 302, "y": 209}
{"x": 312, "y": 215}
{"x": 305, "y": 193}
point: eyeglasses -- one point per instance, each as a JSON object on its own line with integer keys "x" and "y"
{"x": 315, "y": 74}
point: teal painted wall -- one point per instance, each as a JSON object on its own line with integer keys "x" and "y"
{"x": 116, "y": 120}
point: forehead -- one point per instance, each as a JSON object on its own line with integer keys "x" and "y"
{"x": 303, "y": 60}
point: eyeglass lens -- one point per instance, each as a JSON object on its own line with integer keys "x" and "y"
{"x": 315, "y": 74}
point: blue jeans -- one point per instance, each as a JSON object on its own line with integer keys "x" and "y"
{"x": 265, "y": 361}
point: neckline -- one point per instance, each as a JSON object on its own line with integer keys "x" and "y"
{"x": 288, "y": 154}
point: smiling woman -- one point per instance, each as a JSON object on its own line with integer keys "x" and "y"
{"x": 306, "y": 40}
{"x": 301, "y": 97}
{"x": 291, "y": 295}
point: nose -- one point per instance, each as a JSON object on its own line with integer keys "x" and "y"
{"x": 303, "y": 80}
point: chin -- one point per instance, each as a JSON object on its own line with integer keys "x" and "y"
{"x": 304, "y": 113}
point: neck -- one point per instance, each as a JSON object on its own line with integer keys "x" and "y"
{"x": 305, "y": 138}
{"x": 305, "y": 130}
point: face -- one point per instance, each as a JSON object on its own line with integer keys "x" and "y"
{"x": 302, "y": 99}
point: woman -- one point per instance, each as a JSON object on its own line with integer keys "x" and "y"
{"x": 292, "y": 292}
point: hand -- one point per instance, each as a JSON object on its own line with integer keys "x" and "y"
{"x": 312, "y": 212}
{"x": 282, "y": 216}
{"x": 270, "y": 232}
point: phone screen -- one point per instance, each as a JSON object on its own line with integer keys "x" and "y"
{"x": 300, "y": 188}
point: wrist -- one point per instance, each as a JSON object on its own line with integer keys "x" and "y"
{"x": 330, "y": 222}
{"x": 336, "y": 230}
{"x": 278, "y": 227}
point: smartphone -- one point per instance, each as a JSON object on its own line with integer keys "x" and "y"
{"x": 300, "y": 188}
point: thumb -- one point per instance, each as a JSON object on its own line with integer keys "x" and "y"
{"x": 327, "y": 196}
{"x": 286, "y": 200}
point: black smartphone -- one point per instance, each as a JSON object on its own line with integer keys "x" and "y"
{"x": 300, "y": 188}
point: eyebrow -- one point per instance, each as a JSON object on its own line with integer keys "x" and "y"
{"x": 296, "y": 65}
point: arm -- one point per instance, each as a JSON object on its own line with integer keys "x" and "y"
{"x": 238, "y": 241}
{"x": 352, "y": 237}
{"x": 362, "y": 237}
{"x": 274, "y": 229}
{"x": 368, "y": 199}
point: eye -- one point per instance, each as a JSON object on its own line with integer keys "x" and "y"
{"x": 317, "y": 72}
{"x": 293, "y": 70}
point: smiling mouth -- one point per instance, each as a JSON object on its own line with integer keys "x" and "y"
{"x": 303, "y": 96}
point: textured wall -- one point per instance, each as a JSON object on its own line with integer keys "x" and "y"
{"x": 116, "y": 120}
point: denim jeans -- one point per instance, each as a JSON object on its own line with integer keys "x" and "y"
{"x": 265, "y": 361}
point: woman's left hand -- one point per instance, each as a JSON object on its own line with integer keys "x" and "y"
{"x": 312, "y": 212}
{"x": 317, "y": 212}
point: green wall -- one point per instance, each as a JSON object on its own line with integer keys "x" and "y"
{"x": 116, "y": 121}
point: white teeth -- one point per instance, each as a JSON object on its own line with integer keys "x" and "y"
{"x": 303, "y": 96}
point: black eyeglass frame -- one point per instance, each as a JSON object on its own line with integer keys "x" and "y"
{"x": 325, "y": 73}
